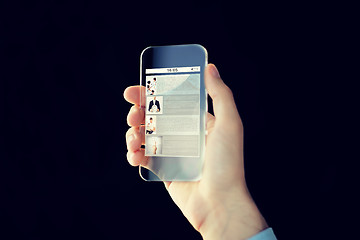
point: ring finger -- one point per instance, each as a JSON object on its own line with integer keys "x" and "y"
{"x": 135, "y": 138}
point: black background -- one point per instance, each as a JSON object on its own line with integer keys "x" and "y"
{"x": 64, "y": 173}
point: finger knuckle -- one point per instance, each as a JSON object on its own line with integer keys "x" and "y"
{"x": 227, "y": 91}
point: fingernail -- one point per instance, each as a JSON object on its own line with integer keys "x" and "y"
{"x": 214, "y": 72}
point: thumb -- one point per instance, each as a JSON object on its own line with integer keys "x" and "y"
{"x": 223, "y": 101}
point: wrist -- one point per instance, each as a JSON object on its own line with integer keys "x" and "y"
{"x": 239, "y": 219}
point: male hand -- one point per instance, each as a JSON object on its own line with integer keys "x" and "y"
{"x": 219, "y": 206}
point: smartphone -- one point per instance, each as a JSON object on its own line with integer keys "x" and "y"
{"x": 175, "y": 111}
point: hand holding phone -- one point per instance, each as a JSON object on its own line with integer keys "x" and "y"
{"x": 219, "y": 206}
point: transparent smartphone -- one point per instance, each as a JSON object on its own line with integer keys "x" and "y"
{"x": 175, "y": 109}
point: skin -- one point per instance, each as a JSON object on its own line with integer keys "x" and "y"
{"x": 219, "y": 206}
{"x": 155, "y": 148}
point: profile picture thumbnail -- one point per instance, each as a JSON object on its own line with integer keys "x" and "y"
{"x": 153, "y": 146}
{"x": 151, "y": 86}
{"x": 154, "y": 105}
{"x": 150, "y": 125}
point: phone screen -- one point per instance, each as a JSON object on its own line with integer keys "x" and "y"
{"x": 174, "y": 101}
{"x": 172, "y": 112}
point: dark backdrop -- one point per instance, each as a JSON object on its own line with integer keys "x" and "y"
{"x": 64, "y": 173}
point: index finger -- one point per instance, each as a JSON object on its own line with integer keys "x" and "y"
{"x": 132, "y": 95}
